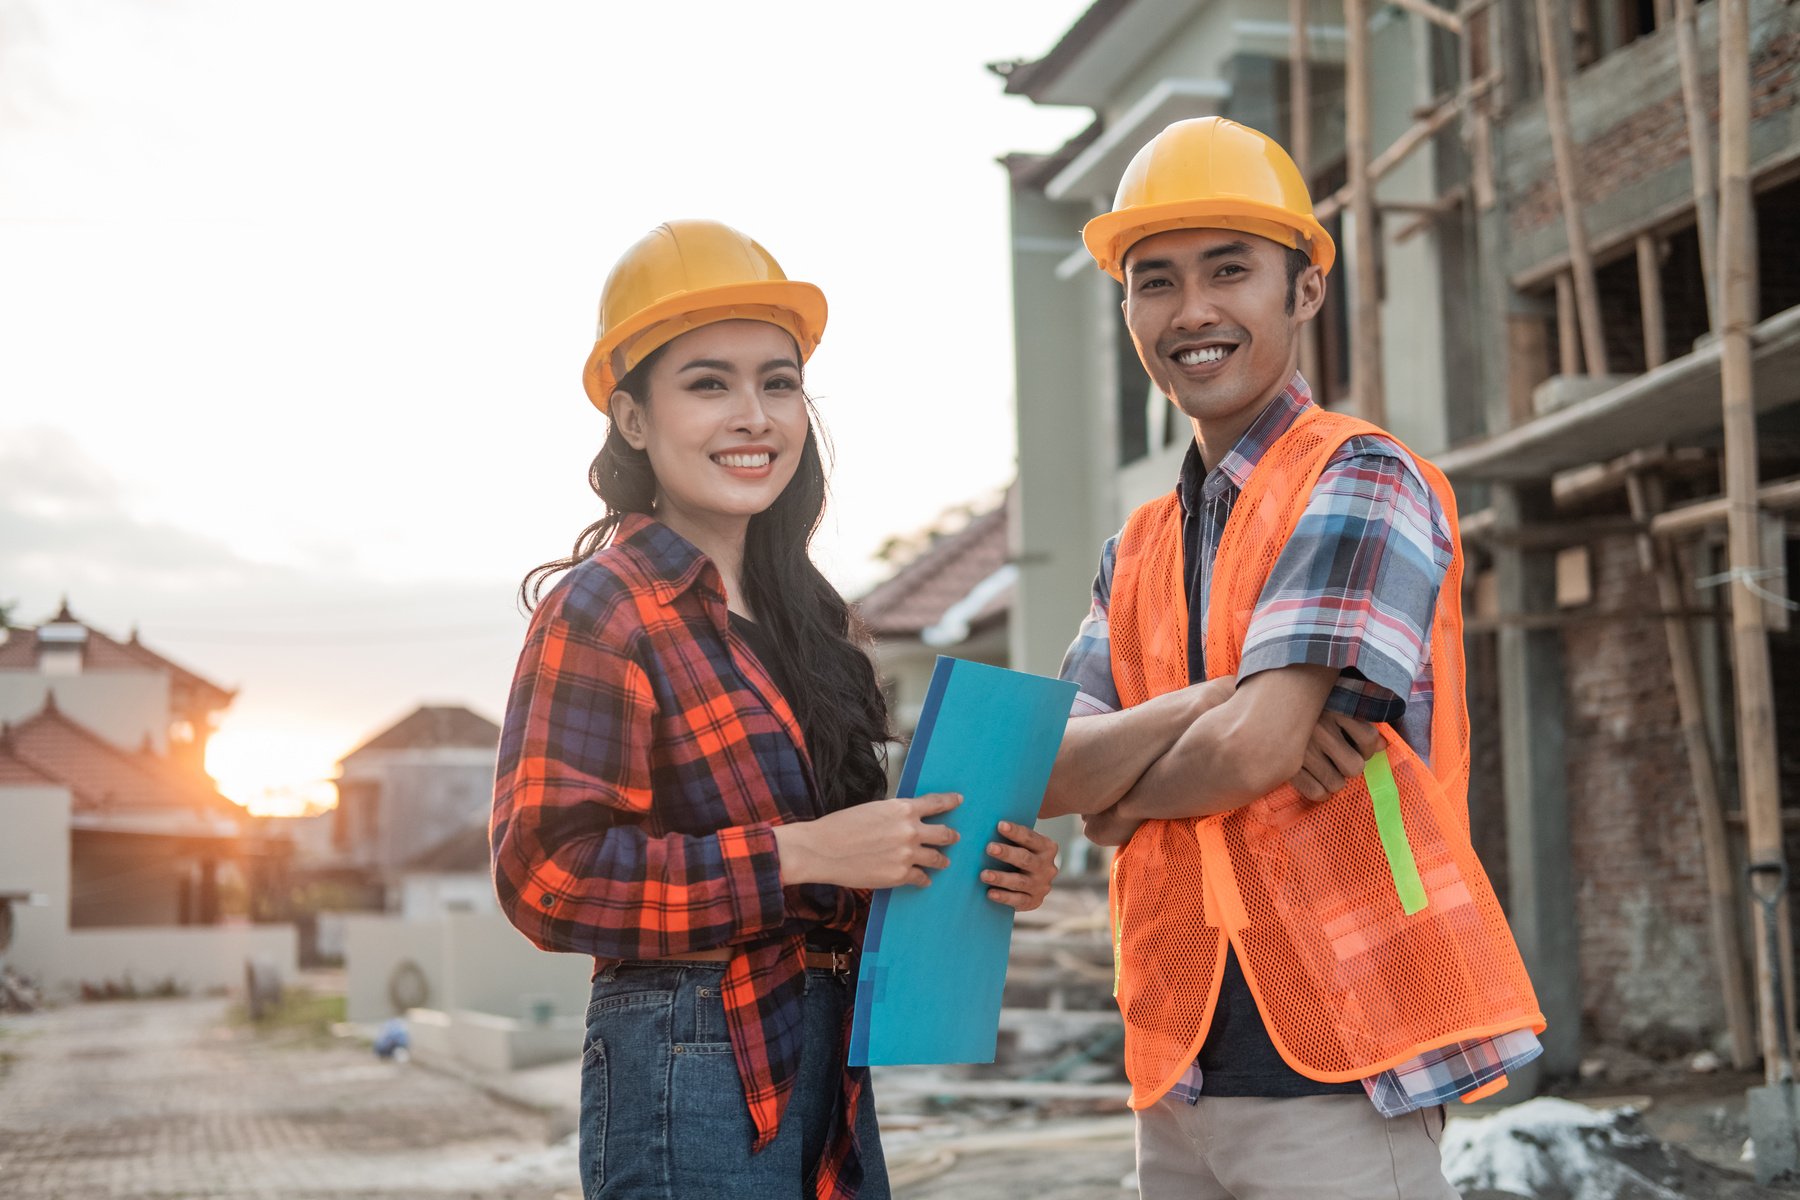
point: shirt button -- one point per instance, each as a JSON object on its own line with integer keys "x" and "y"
{"x": 547, "y": 900}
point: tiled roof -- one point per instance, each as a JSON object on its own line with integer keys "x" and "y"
{"x": 464, "y": 850}
{"x": 103, "y": 776}
{"x": 19, "y": 652}
{"x": 431, "y": 726}
{"x": 15, "y": 771}
{"x": 917, "y": 596}
{"x": 1030, "y": 78}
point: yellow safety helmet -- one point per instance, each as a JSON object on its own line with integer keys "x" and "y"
{"x": 683, "y": 275}
{"x": 1209, "y": 173}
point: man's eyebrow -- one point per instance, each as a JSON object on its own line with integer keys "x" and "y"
{"x": 1149, "y": 264}
{"x": 1228, "y": 249}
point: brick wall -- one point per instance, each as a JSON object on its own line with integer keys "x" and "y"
{"x": 1646, "y": 961}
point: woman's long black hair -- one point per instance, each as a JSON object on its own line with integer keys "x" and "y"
{"x": 839, "y": 704}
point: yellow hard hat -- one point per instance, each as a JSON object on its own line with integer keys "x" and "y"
{"x": 1209, "y": 173}
{"x": 683, "y": 275}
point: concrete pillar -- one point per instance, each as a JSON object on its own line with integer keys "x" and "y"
{"x": 1541, "y": 883}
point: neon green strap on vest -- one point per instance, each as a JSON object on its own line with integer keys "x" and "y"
{"x": 1380, "y": 777}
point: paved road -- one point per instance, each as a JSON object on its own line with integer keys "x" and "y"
{"x": 164, "y": 1099}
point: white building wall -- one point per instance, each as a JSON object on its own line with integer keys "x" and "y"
{"x": 34, "y": 857}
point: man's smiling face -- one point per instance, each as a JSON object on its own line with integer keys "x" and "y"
{"x": 1215, "y": 322}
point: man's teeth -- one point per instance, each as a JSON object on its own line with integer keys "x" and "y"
{"x": 1206, "y": 354}
{"x": 742, "y": 460}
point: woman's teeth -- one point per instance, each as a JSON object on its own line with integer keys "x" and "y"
{"x": 1206, "y": 354}
{"x": 742, "y": 460}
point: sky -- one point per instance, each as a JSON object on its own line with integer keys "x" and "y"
{"x": 294, "y": 301}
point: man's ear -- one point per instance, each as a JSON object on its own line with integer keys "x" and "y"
{"x": 1309, "y": 293}
{"x": 627, "y": 417}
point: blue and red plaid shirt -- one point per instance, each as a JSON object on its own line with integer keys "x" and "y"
{"x": 1354, "y": 588}
{"x": 645, "y": 760}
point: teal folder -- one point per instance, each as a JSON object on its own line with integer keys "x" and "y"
{"x": 934, "y": 959}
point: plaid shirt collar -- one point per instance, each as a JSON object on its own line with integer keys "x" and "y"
{"x": 1233, "y": 471}
{"x": 674, "y": 566}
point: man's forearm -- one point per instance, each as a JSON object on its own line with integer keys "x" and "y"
{"x": 1236, "y": 752}
{"x": 1102, "y": 756}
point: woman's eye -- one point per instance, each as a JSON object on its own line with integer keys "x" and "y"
{"x": 708, "y": 384}
{"x": 782, "y": 383}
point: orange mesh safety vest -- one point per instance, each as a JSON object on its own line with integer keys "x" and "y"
{"x": 1348, "y": 985}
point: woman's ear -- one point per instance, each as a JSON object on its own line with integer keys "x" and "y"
{"x": 627, "y": 417}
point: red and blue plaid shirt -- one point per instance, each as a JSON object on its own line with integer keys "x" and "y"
{"x": 645, "y": 760}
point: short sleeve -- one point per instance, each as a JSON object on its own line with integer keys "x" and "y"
{"x": 1356, "y": 586}
{"x": 1088, "y": 661}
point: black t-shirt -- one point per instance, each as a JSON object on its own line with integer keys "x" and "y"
{"x": 768, "y": 653}
{"x": 1237, "y": 1058}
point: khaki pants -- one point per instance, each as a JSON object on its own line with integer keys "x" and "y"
{"x": 1310, "y": 1148}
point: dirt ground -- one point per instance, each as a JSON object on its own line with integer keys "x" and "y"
{"x": 169, "y": 1098}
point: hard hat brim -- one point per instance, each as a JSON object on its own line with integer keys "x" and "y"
{"x": 804, "y": 301}
{"x": 1110, "y": 236}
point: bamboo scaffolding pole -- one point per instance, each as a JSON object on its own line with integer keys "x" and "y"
{"x": 1432, "y": 13}
{"x": 1568, "y": 339}
{"x": 1300, "y": 146}
{"x": 1365, "y": 327}
{"x": 1691, "y": 518}
{"x": 1562, "y": 151}
{"x": 1757, "y": 767}
{"x": 1650, "y": 298}
{"x": 1646, "y": 496}
{"x": 1699, "y": 129}
{"x": 1415, "y": 136}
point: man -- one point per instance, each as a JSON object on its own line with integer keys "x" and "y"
{"x": 1311, "y": 961}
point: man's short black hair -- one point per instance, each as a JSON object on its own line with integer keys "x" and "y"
{"x": 1297, "y": 262}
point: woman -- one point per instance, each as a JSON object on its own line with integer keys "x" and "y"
{"x": 689, "y": 786}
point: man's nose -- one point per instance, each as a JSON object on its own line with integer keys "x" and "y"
{"x": 1197, "y": 310}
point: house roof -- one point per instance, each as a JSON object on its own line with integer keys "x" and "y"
{"x": 101, "y": 652}
{"x": 15, "y": 771}
{"x": 101, "y": 775}
{"x": 464, "y": 850}
{"x": 1033, "y": 78}
{"x": 945, "y": 574}
{"x": 433, "y": 726}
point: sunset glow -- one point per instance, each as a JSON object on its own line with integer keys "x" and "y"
{"x": 276, "y": 772}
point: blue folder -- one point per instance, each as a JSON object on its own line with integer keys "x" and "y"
{"x": 934, "y": 959}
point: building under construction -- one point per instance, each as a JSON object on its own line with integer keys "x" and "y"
{"x": 1570, "y": 275}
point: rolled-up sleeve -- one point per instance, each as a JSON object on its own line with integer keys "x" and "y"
{"x": 575, "y": 868}
{"x": 1357, "y": 584}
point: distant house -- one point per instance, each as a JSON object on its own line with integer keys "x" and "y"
{"x": 124, "y": 691}
{"x": 405, "y": 791}
{"x": 133, "y": 865}
{"x": 953, "y": 596}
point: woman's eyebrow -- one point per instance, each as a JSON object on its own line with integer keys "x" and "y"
{"x": 710, "y": 364}
{"x": 777, "y": 364}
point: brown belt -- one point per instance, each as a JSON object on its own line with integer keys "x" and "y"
{"x": 838, "y": 962}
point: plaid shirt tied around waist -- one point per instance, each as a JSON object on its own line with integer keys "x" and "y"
{"x": 645, "y": 759}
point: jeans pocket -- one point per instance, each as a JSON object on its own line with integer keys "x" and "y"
{"x": 709, "y": 1016}
{"x": 710, "y": 1130}
{"x": 591, "y": 1140}
{"x": 624, "y": 1089}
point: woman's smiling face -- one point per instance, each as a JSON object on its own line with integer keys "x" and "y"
{"x": 725, "y": 420}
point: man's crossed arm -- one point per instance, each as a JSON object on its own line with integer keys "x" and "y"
{"x": 1207, "y": 749}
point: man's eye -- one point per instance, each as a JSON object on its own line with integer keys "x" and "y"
{"x": 1231, "y": 269}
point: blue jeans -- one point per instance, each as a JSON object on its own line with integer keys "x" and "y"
{"x": 663, "y": 1115}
